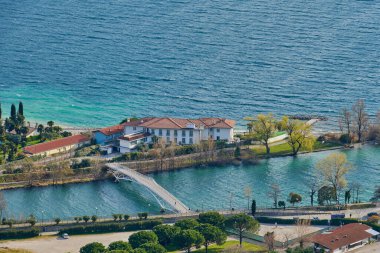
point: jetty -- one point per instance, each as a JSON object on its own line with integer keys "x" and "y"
{"x": 121, "y": 172}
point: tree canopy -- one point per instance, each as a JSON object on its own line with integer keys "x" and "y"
{"x": 241, "y": 223}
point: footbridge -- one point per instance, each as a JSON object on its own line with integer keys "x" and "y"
{"x": 121, "y": 172}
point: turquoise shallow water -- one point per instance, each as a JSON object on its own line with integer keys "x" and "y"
{"x": 207, "y": 187}
{"x": 94, "y": 62}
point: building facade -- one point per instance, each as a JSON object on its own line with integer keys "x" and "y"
{"x": 171, "y": 130}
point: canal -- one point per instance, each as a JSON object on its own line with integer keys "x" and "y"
{"x": 199, "y": 188}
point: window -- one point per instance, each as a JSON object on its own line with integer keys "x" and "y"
{"x": 218, "y": 138}
{"x": 145, "y": 139}
{"x": 191, "y": 133}
{"x": 218, "y": 130}
{"x": 183, "y": 140}
{"x": 152, "y": 131}
{"x": 160, "y": 132}
{"x": 134, "y": 128}
{"x": 176, "y": 140}
{"x": 168, "y": 132}
{"x": 191, "y": 141}
{"x": 168, "y": 140}
{"x": 184, "y": 133}
{"x": 175, "y": 132}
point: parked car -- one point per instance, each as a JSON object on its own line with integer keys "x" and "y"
{"x": 372, "y": 214}
{"x": 338, "y": 216}
{"x": 65, "y": 236}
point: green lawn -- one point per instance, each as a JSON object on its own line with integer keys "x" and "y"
{"x": 232, "y": 245}
{"x": 284, "y": 148}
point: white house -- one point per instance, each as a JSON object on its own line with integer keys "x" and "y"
{"x": 177, "y": 130}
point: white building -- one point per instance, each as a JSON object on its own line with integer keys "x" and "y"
{"x": 179, "y": 131}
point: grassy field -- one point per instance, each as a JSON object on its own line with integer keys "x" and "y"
{"x": 285, "y": 149}
{"x": 231, "y": 245}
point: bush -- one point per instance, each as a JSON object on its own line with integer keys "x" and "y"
{"x": 153, "y": 248}
{"x": 142, "y": 216}
{"x": 19, "y": 234}
{"x": 142, "y": 237}
{"x": 57, "y": 220}
{"x": 110, "y": 227}
{"x": 94, "y": 247}
{"x": 120, "y": 245}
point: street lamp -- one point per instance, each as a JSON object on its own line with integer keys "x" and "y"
{"x": 42, "y": 218}
{"x": 96, "y": 211}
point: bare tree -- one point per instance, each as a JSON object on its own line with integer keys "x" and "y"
{"x": 274, "y": 193}
{"x": 345, "y": 122}
{"x": 360, "y": 119}
{"x": 302, "y": 230}
{"x": 313, "y": 184}
{"x": 356, "y": 187}
{"x": 29, "y": 169}
{"x": 269, "y": 240}
{"x": 334, "y": 168}
{"x": 248, "y": 194}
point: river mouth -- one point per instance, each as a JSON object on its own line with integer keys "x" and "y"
{"x": 202, "y": 188}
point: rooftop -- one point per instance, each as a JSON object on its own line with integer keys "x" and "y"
{"x": 133, "y": 137}
{"x": 181, "y": 123}
{"x": 343, "y": 236}
{"x": 51, "y": 145}
{"x": 112, "y": 129}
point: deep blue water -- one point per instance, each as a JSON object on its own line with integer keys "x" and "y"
{"x": 93, "y": 62}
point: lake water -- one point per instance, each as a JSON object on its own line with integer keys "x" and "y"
{"x": 199, "y": 188}
{"x": 91, "y": 63}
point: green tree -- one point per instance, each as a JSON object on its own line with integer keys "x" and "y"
{"x": 187, "y": 224}
{"x": 21, "y": 109}
{"x": 333, "y": 169}
{"x": 94, "y": 247}
{"x": 294, "y": 198}
{"x": 153, "y": 248}
{"x": 57, "y": 220}
{"x": 263, "y": 128}
{"x": 189, "y": 238}
{"x": 214, "y": 218}
{"x": 166, "y": 233}
{"x": 94, "y": 218}
{"x": 253, "y": 207}
{"x": 141, "y": 237}
{"x": 86, "y": 218}
{"x": 282, "y": 204}
{"x": 241, "y": 223}
{"x": 299, "y": 134}
{"x": 325, "y": 195}
{"x": 120, "y": 245}
{"x": 211, "y": 234}
{"x": 13, "y": 113}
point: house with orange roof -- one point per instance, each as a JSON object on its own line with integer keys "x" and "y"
{"x": 57, "y": 146}
{"x": 345, "y": 238}
{"x": 175, "y": 130}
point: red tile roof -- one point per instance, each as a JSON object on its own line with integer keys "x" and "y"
{"x": 112, "y": 129}
{"x": 51, "y": 145}
{"x": 179, "y": 123}
{"x": 343, "y": 236}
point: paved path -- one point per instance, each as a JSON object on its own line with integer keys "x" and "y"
{"x": 152, "y": 185}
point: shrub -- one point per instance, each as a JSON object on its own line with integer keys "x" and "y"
{"x": 110, "y": 227}
{"x": 142, "y": 237}
{"x": 94, "y": 247}
{"x": 153, "y": 248}
{"x": 57, "y": 220}
{"x": 142, "y": 215}
{"x": 19, "y": 234}
{"x": 86, "y": 218}
{"x": 120, "y": 245}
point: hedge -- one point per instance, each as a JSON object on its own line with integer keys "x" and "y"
{"x": 109, "y": 228}
{"x": 19, "y": 234}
